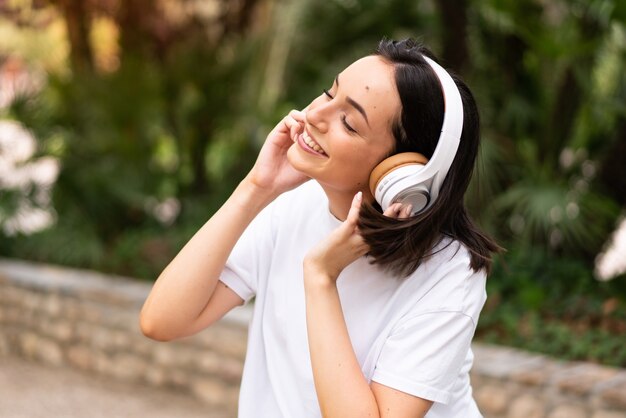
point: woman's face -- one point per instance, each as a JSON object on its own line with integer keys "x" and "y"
{"x": 347, "y": 128}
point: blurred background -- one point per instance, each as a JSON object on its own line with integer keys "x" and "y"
{"x": 125, "y": 124}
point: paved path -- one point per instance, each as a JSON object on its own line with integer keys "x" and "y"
{"x": 31, "y": 390}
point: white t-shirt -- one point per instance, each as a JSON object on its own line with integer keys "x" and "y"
{"x": 411, "y": 334}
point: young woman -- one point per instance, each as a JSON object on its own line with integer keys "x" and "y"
{"x": 359, "y": 312}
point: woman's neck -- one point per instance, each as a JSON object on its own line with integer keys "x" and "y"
{"x": 339, "y": 202}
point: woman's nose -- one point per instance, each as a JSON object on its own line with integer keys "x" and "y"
{"x": 317, "y": 116}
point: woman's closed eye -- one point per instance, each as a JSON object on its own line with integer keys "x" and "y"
{"x": 343, "y": 117}
{"x": 347, "y": 125}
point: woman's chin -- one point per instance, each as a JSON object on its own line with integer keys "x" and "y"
{"x": 297, "y": 161}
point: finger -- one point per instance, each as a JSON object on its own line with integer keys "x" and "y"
{"x": 405, "y": 211}
{"x": 293, "y": 117}
{"x": 293, "y": 127}
{"x": 296, "y": 119}
{"x": 393, "y": 211}
{"x": 294, "y": 123}
{"x": 294, "y": 131}
{"x": 298, "y": 115}
{"x": 353, "y": 213}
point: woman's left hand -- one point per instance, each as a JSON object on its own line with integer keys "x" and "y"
{"x": 343, "y": 246}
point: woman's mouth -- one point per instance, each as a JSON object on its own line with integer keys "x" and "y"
{"x": 309, "y": 145}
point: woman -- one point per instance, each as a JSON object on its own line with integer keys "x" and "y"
{"x": 358, "y": 313}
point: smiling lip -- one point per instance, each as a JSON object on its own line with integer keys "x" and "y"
{"x": 303, "y": 138}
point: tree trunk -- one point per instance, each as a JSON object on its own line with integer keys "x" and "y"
{"x": 236, "y": 16}
{"x": 135, "y": 18}
{"x": 613, "y": 170}
{"x": 571, "y": 94}
{"x": 454, "y": 33}
{"x": 78, "y": 25}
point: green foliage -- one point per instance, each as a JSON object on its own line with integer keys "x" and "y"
{"x": 569, "y": 218}
{"x": 9, "y": 203}
{"x": 543, "y": 148}
{"x": 554, "y": 305}
{"x": 73, "y": 241}
{"x": 128, "y": 140}
{"x": 337, "y": 32}
{"x": 185, "y": 123}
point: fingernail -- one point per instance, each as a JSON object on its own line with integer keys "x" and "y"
{"x": 359, "y": 196}
{"x": 408, "y": 209}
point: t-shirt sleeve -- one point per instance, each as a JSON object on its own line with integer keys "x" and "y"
{"x": 424, "y": 354}
{"x": 250, "y": 259}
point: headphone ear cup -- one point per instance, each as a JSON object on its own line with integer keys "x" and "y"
{"x": 392, "y": 163}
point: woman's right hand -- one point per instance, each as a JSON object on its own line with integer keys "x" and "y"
{"x": 188, "y": 296}
{"x": 272, "y": 171}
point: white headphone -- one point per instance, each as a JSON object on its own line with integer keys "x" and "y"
{"x": 409, "y": 177}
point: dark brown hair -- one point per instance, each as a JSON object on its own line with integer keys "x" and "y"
{"x": 402, "y": 245}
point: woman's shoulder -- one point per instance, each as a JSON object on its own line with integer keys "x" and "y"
{"x": 447, "y": 254}
{"x": 457, "y": 288}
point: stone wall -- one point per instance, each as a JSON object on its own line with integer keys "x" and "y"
{"x": 89, "y": 321}
{"x": 511, "y": 383}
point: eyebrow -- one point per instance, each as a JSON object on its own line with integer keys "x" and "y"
{"x": 354, "y": 104}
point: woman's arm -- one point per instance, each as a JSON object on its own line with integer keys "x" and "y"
{"x": 341, "y": 387}
{"x": 187, "y": 296}
{"x": 178, "y": 304}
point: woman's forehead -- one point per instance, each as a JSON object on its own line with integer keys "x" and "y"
{"x": 371, "y": 73}
{"x": 370, "y": 81}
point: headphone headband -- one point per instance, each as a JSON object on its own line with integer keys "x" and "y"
{"x": 450, "y": 136}
{"x": 416, "y": 184}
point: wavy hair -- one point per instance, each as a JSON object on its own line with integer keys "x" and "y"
{"x": 402, "y": 245}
